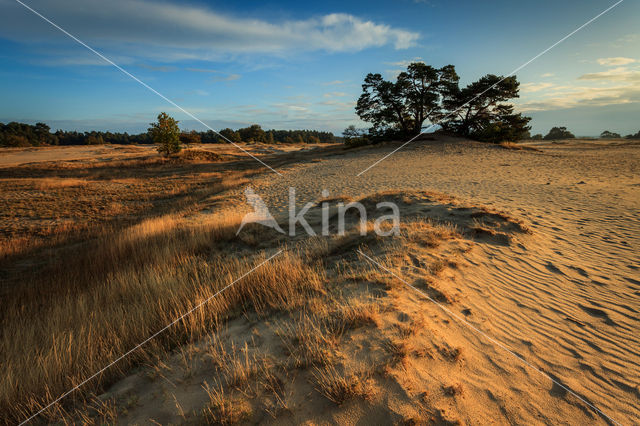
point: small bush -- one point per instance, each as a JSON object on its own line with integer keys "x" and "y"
{"x": 199, "y": 155}
{"x": 355, "y": 137}
{"x": 356, "y": 142}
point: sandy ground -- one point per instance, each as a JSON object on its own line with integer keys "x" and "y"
{"x": 20, "y": 156}
{"x": 561, "y": 302}
{"x": 567, "y": 300}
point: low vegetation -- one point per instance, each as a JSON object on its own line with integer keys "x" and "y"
{"x": 130, "y": 252}
{"x": 53, "y": 203}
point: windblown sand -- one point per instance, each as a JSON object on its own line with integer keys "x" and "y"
{"x": 566, "y": 299}
{"x": 549, "y": 288}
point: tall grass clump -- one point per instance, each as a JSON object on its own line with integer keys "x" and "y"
{"x": 104, "y": 297}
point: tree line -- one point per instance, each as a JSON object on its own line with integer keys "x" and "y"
{"x": 21, "y": 134}
{"x": 562, "y": 133}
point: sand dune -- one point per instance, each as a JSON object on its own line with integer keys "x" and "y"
{"x": 527, "y": 263}
{"x": 568, "y": 298}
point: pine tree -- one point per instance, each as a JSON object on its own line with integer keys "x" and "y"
{"x": 166, "y": 134}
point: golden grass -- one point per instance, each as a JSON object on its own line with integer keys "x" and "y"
{"x": 100, "y": 255}
{"x": 94, "y": 301}
{"x": 121, "y": 290}
{"x": 517, "y": 147}
{"x": 199, "y": 154}
{"x": 80, "y": 203}
{"x": 221, "y": 409}
{"x": 52, "y": 182}
{"x": 338, "y": 386}
{"x": 306, "y": 341}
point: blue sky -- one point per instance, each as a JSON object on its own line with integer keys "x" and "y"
{"x": 296, "y": 65}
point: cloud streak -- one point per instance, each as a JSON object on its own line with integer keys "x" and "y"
{"x": 615, "y": 74}
{"x": 616, "y": 61}
{"x": 615, "y": 86}
{"x": 583, "y": 96}
{"x": 175, "y": 32}
{"x": 534, "y": 87}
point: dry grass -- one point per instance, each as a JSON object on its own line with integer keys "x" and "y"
{"x": 340, "y": 387}
{"x": 123, "y": 255}
{"x": 73, "y": 314}
{"x": 47, "y": 205}
{"x": 55, "y": 338}
{"x": 399, "y": 350}
{"x": 222, "y": 410}
{"x": 518, "y": 147}
{"x": 91, "y": 248}
{"x": 453, "y": 390}
{"x": 147, "y": 275}
{"x": 199, "y": 154}
{"x": 312, "y": 337}
{"x": 54, "y": 183}
{"x": 306, "y": 342}
{"x": 426, "y": 233}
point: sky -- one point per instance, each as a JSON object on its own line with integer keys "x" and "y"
{"x": 300, "y": 65}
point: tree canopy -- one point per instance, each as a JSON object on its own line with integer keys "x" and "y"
{"x": 401, "y": 107}
{"x": 479, "y": 110}
{"x": 20, "y": 134}
{"x": 424, "y": 93}
{"x": 609, "y": 135}
{"x": 559, "y": 133}
{"x": 190, "y": 138}
{"x": 633, "y": 136}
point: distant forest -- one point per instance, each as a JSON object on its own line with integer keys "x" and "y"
{"x": 21, "y": 134}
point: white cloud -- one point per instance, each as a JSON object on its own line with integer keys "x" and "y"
{"x": 534, "y": 87}
{"x": 405, "y": 63}
{"x": 393, "y": 73}
{"x": 287, "y": 108}
{"x": 175, "y": 31}
{"x": 615, "y": 74}
{"x": 583, "y": 96}
{"x": 339, "y": 105}
{"x": 626, "y": 40}
{"x": 334, "y": 95}
{"x": 220, "y": 75}
{"x": 615, "y": 61}
{"x": 547, "y": 75}
{"x": 615, "y": 86}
